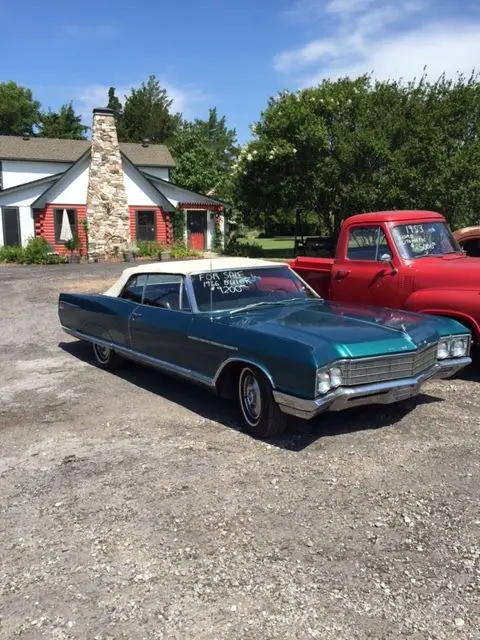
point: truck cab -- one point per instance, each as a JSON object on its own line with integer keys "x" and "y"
{"x": 399, "y": 259}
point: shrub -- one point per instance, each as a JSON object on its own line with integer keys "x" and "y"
{"x": 245, "y": 249}
{"x": 13, "y": 253}
{"x": 218, "y": 236}
{"x": 148, "y": 249}
{"x": 178, "y": 224}
{"x": 36, "y": 251}
{"x": 180, "y": 250}
{"x": 74, "y": 244}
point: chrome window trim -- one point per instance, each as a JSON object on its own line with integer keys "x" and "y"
{"x": 183, "y": 287}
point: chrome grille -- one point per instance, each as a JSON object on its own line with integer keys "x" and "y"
{"x": 405, "y": 365}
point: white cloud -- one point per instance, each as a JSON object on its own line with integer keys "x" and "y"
{"x": 441, "y": 48}
{"x": 390, "y": 39}
{"x": 305, "y": 10}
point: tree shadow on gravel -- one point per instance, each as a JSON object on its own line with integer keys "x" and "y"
{"x": 299, "y": 434}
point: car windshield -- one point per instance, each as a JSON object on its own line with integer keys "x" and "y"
{"x": 238, "y": 288}
{"x": 425, "y": 239}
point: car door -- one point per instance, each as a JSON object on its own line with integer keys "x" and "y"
{"x": 364, "y": 275}
{"x": 159, "y": 324}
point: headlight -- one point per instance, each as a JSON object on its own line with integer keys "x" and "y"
{"x": 459, "y": 347}
{"x": 328, "y": 379}
{"x": 443, "y": 349}
{"x": 335, "y": 377}
{"x": 323, "y": 382}
{"x": 453, "y": 347}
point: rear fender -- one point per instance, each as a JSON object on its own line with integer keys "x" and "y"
{"x": 97, "y": 316}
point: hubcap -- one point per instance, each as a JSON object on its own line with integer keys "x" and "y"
{"x": 103, "y": 353}
{"x": 251, "y": 397}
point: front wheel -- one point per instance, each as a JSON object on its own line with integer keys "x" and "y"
{"x": 261, "y": 414}
{"x": 107, "y": 358}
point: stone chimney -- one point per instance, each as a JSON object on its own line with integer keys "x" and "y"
{"x": 107, "y": 206}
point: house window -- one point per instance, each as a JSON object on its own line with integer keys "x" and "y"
{"x": 58, "y": 219}
{"x": 11, "y": 226}
{"x": 146, "y": 226}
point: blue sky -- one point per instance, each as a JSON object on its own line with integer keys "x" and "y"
{"x": 227, "y": 53}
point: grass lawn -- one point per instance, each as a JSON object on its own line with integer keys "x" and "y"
{"x": 278, "y": 247}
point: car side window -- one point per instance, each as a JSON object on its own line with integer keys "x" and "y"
{"x": 368, "y": 244}
{"x": 133, "y": 290}
{"x": 166, "y": 291}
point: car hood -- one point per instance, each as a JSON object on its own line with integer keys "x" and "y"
{"x": 451, "y": 270}
{"x": 342, "y": 330}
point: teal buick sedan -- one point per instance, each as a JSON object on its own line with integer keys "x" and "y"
{"x": 255, "y": 332}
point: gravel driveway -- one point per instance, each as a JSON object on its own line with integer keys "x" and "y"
{"x": 132, "y": 506}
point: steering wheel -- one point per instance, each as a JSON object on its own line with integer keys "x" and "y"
{"x": 278, "y": 290}
{"x": 165, "y": 304}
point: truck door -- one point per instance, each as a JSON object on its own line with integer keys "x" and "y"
{"x": 363, "y": 271}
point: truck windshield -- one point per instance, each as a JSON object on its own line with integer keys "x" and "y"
{"x": 424, "y": 239}
{"x": 237, "y": 288}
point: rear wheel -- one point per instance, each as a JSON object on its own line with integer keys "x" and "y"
{"x": 107, "y": 358}
{"x": 260, "y": 412}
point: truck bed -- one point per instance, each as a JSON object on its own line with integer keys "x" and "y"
{"x": 315, "y": 271}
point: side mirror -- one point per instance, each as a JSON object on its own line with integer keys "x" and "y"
{"x": 386, "y": 257}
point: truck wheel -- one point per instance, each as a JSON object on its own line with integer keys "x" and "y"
{"x": 260, "y": 412}
{"x": 107, "y": 358}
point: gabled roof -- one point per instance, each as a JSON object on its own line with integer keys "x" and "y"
{"x": 198, "y": 197}
{"x": 166, "y": 204}
{"x": 42, "y": 200}
{"x": 159, "y": 185}
{"x": 19, "y": 187}
{"x": 57, "y": 150}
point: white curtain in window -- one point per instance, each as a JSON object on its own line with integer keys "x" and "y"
{"x": 66, "y": 231}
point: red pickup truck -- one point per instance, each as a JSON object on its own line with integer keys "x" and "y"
{"x": 402, "y": 260}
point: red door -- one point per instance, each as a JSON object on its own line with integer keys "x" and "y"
{"x": 364, "y": 275}
{"x": 196, "y": 228}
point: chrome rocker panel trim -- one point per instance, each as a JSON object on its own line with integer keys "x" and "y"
{"x": 141, "y": 358}
{"x": 342, "y": 398}
{"x": 378, "y": 393}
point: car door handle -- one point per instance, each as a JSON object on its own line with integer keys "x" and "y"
{"x": 343, "y": 273}
{"x": 136, "y": 314}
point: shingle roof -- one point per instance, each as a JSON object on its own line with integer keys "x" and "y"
{"x": 167, "y": 184}
{"x": 153, "y": 155}
{"x": 57, "y": 150}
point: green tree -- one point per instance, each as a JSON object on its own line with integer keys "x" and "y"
{"x": 19, "y": 112}
{"x": 113, "y": 101}
{"x": 204, "y": 152}
{"x": 62, "y": 124}
{"x": 146, "y": 114}
{"x": 350, "y": 146}
{"x": 304, "y": 148}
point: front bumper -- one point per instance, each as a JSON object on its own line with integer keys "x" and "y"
{"x": 386, "y": 392}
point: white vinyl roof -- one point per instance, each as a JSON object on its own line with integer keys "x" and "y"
{"x": 186, "y": 267}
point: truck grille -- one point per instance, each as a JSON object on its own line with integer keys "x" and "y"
{"x": 405, "y": 365}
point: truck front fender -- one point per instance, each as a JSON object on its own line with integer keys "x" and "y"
{"x": 461, "y": 305}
